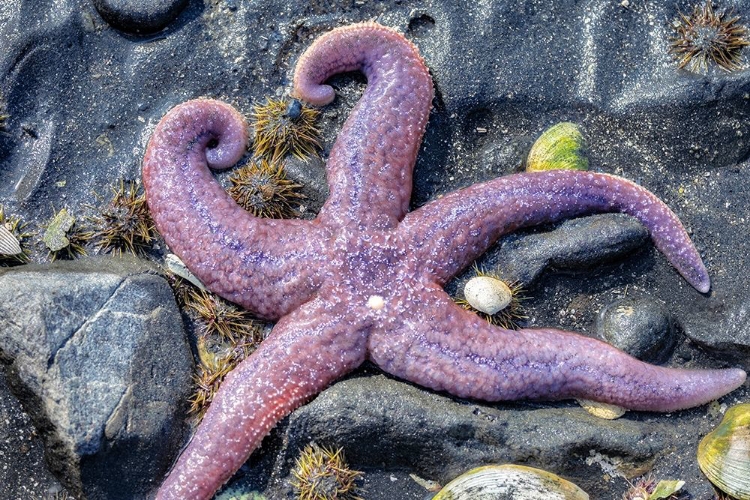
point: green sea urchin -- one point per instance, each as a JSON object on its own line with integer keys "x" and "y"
{"x": 322, "y": 474}
{"x": 216, "y": 316}
{"x": 262, "y": 188}
{"x": 125, "y": 224}
{"x": 707, "y": 36}
{"x": 283, "y": 126}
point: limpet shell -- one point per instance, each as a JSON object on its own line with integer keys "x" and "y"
{"x": 56, "y": 235}
{"x": 724, "y": 454}
{"x": 560, "y": 147}
{"x": 497, "y": 482}
{"x": 8, "y": 242}
{"x": 487, "y": 294}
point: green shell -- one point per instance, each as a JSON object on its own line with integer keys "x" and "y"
{"x": 560, "y": 147}
{"x": 724, "y": 454}
{"x": 55, "y": 237}
{"x": 497, "y": 482}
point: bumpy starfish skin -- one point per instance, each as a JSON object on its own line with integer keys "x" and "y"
{"x": 364, "y": 280}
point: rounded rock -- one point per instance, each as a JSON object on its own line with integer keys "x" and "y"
{"x": 139, "y": 16}
{"x": 641, "y": 327}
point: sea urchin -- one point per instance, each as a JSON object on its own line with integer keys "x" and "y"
{"x": 285, "y": 125}
{"x": 263, "y": 189}
{"x": 322, "y": 474}
{"x": 707, "y": 36}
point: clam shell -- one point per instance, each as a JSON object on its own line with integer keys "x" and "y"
{"x": 602, "y": 410}
{"x": 497, "y": 482}
{"x": 724, "y": 454}
{"x": 560, "y": 147}
{"x": 178, "y": 268}
{"x": 487, "y": 294}
{"x": 8, "y": 242}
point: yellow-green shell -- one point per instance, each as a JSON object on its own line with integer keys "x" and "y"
{"x": 560, "y": 147}
{"x": 497, "y": 482}
{"x": 724, "y": 454}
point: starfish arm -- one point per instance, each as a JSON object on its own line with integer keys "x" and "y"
{"x": 370, "y": 165}
{"x": 451, "y": 232}
{"x": 267, "y": 266}
{"x": 444, "y": 347}
{"x": 306, "y": 351}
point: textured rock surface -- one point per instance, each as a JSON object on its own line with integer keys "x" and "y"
{"x": 84, "y": 97}
{"x": 641, "y": 327}
{"x": 97, "y": 351}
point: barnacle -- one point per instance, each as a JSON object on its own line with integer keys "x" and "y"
{"x": 125, "y": 224}
{"x": 706, "y": 36}
{"x": 322, "y": 474}
{"x": 509, "y": 316}
{"x": 285, "y": 125}
{"x": 262, "y": 188}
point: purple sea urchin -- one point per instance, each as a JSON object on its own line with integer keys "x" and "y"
{"x": 263, "y": 189}
{"x": 707, "y": 36}
{"x": 322, "y": 474}
{"x": 283, "y": 126}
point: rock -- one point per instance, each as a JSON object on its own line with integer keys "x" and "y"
{"x": 575, "y": 244}
{"x": 408, "y": 429}
{"x": 21, "y": 446}
{"x": 139, "y": 16}
{"x": 98, "y": 354}
{"x": 641, "y": 327}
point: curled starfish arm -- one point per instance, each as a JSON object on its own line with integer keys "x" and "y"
{"x": 447, "y": 348}
{"x": 370, "y": 165}
{"x": 451, "y": 232}
{"x": 306, "y": 351}
{"x": 268, "y": 266}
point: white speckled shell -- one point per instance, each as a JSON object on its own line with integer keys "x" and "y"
{"x": 495, "y": 482}
{"x": 488, "y": 295}
{"x": 8, "y": 242}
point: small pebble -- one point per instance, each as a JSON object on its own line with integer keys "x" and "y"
{"x": 139, "y": 16}
{"x": 641, "y": 327}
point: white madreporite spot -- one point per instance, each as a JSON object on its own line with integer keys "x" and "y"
{"x": 375, "y": 302}
{"x": 487, "y": 294}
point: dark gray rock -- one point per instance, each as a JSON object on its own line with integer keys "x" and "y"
{"x": 139, "y": 16}
{"x": 641, "y": 327}
{"x": 573, "y": 245}
{"x": 97, "y": 352}
{"x": 392, "y": 429}
{"x": 21, "y": 446}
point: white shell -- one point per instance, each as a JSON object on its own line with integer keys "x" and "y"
{"x": 8, "y": 242}
{"x": 177, "y": 267}
{"x": 602, "y": 410}
{"x": 488, "y": 295}
{"x": 495, "y": 482}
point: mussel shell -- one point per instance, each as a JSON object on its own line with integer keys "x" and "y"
{"x": 497, "y": 482}
{"x": 724, "y": 454}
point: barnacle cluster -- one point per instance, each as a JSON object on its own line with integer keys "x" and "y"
{"x": 226, "y": 336}
{"x": 708, "y": 37}
{"x": 285, "y": 126}
{"x": 124, "y": 224}
{"x": 322, "y": 474}
{"x": 262, "y": 188}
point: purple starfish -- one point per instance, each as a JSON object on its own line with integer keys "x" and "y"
{"x": 364, "y": 280}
